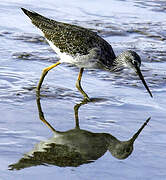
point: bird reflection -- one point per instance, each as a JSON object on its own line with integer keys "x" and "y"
{"x": 75, "y": 147}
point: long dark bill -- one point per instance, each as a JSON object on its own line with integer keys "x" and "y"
{"x": 143, "y": 80}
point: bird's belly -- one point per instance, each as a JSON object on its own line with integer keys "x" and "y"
{"x": 80, "y": 61}
{"x": 89, "y": 61}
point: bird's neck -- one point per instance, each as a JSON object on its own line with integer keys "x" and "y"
{"x": 118, "y": 63}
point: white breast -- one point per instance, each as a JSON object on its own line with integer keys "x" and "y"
{"x": 89, "y": 61}
{"x": 64, "y": 57}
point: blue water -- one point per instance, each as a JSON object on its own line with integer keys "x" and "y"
{"x": 123, "y": 104}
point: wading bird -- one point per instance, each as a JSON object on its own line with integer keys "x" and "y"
{"x": 83, "y": 48}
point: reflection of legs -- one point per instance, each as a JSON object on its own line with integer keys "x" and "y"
{"x": 41, "y": 115}
{"x": 44, "y": 73}
{"x": 78, "y": 84}
{"x": 76, "y": 107}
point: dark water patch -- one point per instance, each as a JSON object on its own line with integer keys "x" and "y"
{"x": 17, "y": 97}
{"x": 125, "y": 76}
{"x": 5, "y": 33}
{"x": 98, "y": 100}
{"x": 37, "y": 52}
{"x": 105, "y": 33}
{"x": 59, "y": 93}
{"x": 147, "y": 30}
{"x": 23, "y": 55}
{"x": 156, "y": 55}
{"x": 156, "y": 6}
{"x": 109, "y": 29}
{"x": 104, "y": 29}
{"x": 157, "y": 81}
{"x": 146, "y": 34}
{"x": 145, "y": 3}
{"x": 30, "y": 38}
{"x": 14, "y": 87}
{"x": 35, "y": 56}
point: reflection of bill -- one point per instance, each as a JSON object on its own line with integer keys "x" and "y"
{"x": 75, "y": 147}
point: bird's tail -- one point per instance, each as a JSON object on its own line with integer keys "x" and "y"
{"x": 31, "y": 14}
{"x": 38, "y": 20}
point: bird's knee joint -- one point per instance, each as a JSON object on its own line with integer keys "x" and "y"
{"x": 45, "y": 71}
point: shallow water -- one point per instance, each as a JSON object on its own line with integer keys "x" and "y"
{"x": 121, "y": 104}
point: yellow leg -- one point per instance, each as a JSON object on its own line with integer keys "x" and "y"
{"x": 44, "y": 73}
{"x": 78, "y": 85}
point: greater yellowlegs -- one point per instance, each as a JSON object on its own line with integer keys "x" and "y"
{"x": 83, "y": 48}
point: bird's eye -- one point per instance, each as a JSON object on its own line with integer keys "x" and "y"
{"x": 135, "y": 63}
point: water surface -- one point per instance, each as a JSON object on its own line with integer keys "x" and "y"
{"x": 122, "y": 104}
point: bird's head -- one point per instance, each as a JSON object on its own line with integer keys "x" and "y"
{"x": 132, "y": 60}
{"x": 122, "y": 149}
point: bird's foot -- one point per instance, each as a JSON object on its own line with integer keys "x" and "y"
{"x": 86, "y": 99}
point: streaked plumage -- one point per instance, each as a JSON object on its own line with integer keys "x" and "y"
{"x": 73, "y": 40}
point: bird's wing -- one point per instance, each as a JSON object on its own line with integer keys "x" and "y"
{"x": 68, "y": 38}
{"x": 71, "y": 39}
